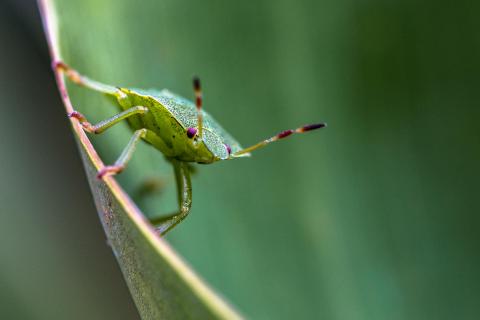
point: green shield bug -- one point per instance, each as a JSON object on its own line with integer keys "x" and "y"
{"x": 175, "y": 126}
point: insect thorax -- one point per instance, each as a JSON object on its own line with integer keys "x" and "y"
{"x": 166, "y": 125}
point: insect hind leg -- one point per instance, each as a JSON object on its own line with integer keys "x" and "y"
{"x": 184, "y": 190}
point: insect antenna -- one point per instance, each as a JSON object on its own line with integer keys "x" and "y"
{"x": 198, "y": 103}
{"x": 279, "y": 136}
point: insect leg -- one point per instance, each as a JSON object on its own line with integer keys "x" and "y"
{"x": 126, "y": 155}
{"x": 198, "y": 103}
{"x": 105, "y": 124}
{"x": 184, "y": 192}
{"x": 277, "y": 137}
{"x": 82, "y": 80}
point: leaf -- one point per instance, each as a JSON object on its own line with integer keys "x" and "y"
{"x": 161, "y": 284}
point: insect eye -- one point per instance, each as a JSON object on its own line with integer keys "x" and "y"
{"x": 191, "y": 132}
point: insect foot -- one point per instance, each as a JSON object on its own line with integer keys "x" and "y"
{"x": 72, "y": 74}
{"x": 59, "y": 65}
{"x": 108, "y": 171}
{"x": 87, "y": 126}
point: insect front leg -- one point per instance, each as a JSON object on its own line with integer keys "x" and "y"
{"x": 108, "y": 123}
{"x": 105, "y": 124}
{"x": 184, "y": 192}
{"x": 126, "y": 155}
{"x": 82, "y": 80}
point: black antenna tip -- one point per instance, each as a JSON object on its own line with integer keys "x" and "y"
{"x": 196, "y": 83}
{"x": 313, "y": 127}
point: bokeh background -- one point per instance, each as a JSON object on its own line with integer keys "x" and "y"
{"x": 375, "y": 217}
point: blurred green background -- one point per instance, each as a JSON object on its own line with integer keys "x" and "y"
{"x": 375, "y": 217}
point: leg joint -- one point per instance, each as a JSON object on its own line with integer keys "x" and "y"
{"x": 141, "y": 109}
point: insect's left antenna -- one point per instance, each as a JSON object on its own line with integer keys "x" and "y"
{"x": 198, "y": 102}
{"x": 279, "y": 136}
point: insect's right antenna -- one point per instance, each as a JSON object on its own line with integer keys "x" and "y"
{"x": 279, "y": 136}
{"x": 198, "y": 103}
